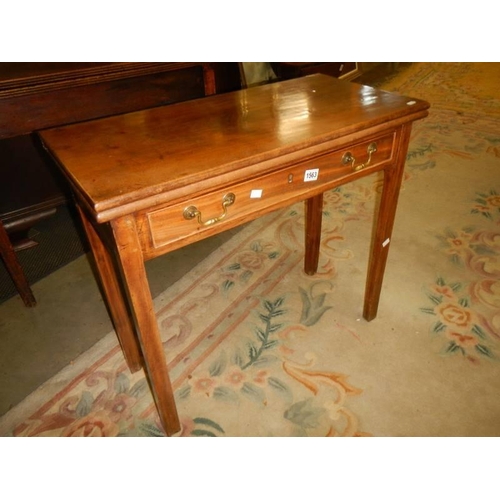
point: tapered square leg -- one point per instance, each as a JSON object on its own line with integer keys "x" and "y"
{"x": 113, "y": 292}
{"x": 134, "y": 273}
{"x": 314, "y": 215}
{"x": 383, "y": 228}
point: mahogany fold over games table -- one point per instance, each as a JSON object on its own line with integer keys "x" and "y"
{"x": 155, "y": 180}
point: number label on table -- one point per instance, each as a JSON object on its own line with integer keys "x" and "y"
{"x": 311, "y": 175}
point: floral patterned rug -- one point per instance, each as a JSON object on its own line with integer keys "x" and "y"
{"x": 257, "y": 348}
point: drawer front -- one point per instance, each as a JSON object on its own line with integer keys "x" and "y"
{"x": 247, "y": 200}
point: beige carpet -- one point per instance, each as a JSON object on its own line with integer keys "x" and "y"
{"x": 257, "y": 348}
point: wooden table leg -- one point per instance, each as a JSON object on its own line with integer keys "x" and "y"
{"x": 14, "y": 268}
{"x": 134, "y": 272}
{"x": 314, "y": 215}
{"x": 117, "y": 305}
{"x": 383, "y": 229}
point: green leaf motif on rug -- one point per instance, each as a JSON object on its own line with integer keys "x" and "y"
{"x": 184, "y": 392}
{"x": 84, "y": 406}
{"x": 313, "y": 306}
{"x": 122, "y": 383}
{"x": 218, "y": 366}
{"x": 148, "y": 429}
{"x": 417, "y": 157}
{"x": 281, "y": 389}
{"x": 253, "y": 392}
{"x": 304, "y": 414}
{"x": 419, "y": 152}
{"x": 201, "y": 427}
{"x": 263, "y": 334}
{"x": 227, "y": 285}
{"x": 139, "y": 388}
{"x": 225, "y": 394}
{"x": 207, "y": 423}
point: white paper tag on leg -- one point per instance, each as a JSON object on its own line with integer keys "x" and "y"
{"x": 386, "y": 242}
{"x": 256, "y": 193}
{"x": 311, "y": 175}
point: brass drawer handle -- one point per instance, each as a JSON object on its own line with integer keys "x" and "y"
{"x": 191, "y": 212}
{"x": 349, "y": 158}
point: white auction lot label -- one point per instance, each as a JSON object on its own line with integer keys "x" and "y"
{"x": 311, "y": 175}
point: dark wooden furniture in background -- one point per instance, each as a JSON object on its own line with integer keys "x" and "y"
{"x": 343, "y": 70}
{"x": 176, "y": 176}
{"x": 9, "y": 256}
{"x": 35, "y": 96}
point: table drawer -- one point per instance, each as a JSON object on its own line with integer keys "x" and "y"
{"x": 249, "y": 199}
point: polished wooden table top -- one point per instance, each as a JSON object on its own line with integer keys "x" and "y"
{"x": 169, "y": 152}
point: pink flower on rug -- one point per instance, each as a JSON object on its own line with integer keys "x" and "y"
{"x": 96, "y": 424}
{"x": 203, "y": 385}
{"x": 120, "y": 407}
{"x": 455, "y": 315}
{"x": 251, "y": 260}
{"x": 444, "y": 290}
{"x": 459, "y": 244}
{"x": 494, "y": 201}
{"x": 481, "y": 208}
{"x": 236, "y": 377}
{"x": 465, "y": 341}
{"x": 260, "y": 378}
